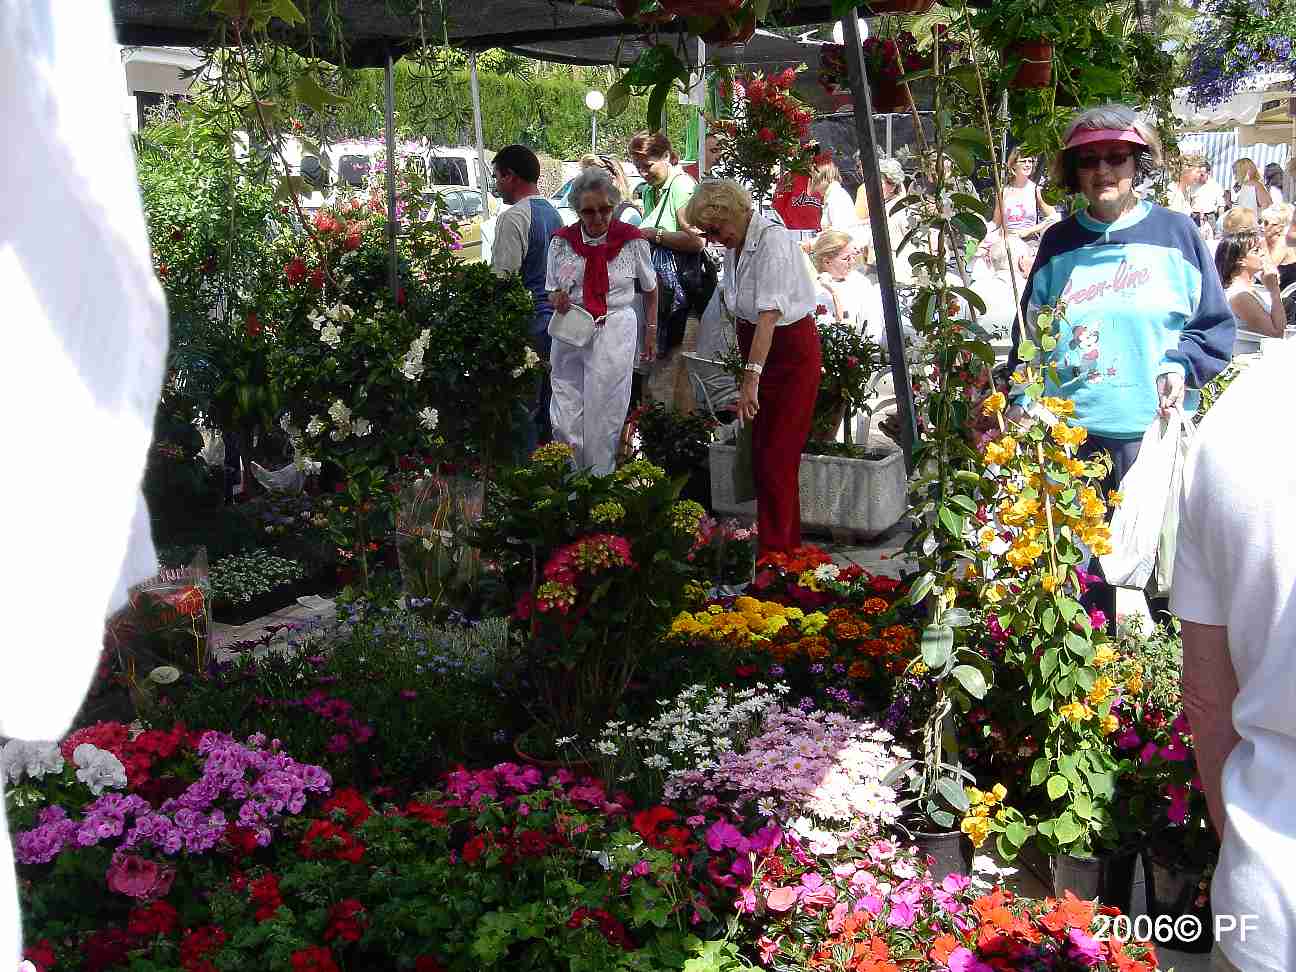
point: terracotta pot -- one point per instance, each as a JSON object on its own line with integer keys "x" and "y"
{"x": 883, "y": 8}
{"x": 725, "y": 35}
{"x": 702, "y": 8}
{"x": 1036, "y": 70}
{"x": 629, "y": 9}
{"x": 888, "y": 95}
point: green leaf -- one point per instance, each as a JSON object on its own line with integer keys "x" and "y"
{"x": 1049, "y": 621}
{"x": 618, "y": 99}
{"x": 1039, "y": 771}
{"x": 1049, "y": 663}
{"x": 1068, "y": 829}
{"x": 1082, "y": 805}
{"x": 968, "y": 133}
{"x": 1026, "y": 350}
{"x": 1040, "y": 702}
{"x": 657, "y": 105}
{"x": 1085, "y": 679}
{"x": 920, "y": 588}
{"x": 308, "y": 91}
{"x": 973, "y": 681}
{"x": 963, "y": 157}
{"x": 1068, "y": 608}
{"x": 953, "y": 794}
{"x": 964, "y": 503}
{"x": 1057, "y": 786}
{"x": 974, "y": 226}
{"x": 937, "y": 645}
{"x": 286, "y": 11}
{"x": 1078, "y": 645}
{"x": 1017, "y": 833}
{"x": 951, "y": 521}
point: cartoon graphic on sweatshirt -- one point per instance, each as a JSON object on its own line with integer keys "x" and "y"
{"x": 1083, "y": 353}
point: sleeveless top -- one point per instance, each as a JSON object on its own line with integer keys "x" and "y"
{"x": 545, "y": 221}
{"x": 1020, "y": 208}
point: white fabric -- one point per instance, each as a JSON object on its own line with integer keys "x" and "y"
{"x": 1236, "y": 567}
{"x": 509, "y": 243}
{"x": 85, "y": 343}
{"x": 1243, "y": 286}
{"x": 1021, "y": 206}
{"x": 839, "y": 213}
{"x": 860, "y": 301}
{"x": 1246, "y": 198}
{"x": 1208, "y": 197}
{"x": 771, "y": 273}
{"x": 1275, "y": 196}
{"x": 1146, "y": 486}
{"x": 591, "y": 385}
{"x": 591, "y": 391}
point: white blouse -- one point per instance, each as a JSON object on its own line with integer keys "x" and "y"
{"x": 861, "y": 303}
{"x": 566, "y": 271}
{"x": 769, "y": 273}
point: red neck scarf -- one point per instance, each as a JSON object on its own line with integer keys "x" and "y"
{"x": 597, "y": 257}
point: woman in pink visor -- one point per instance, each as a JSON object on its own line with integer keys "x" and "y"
{"x": 1145, "y": 311}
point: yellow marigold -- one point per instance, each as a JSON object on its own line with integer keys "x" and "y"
{"x": 1104, "y": 655}
{"x": 981, "y": 810}
{"x": 919, "y": 668}
{"x": 1058, "y": 406}
{"x": 986, "y": 536}
{"x": 715, "y": 609}
{"x": 808, "y": 580}
{"x": 772, "y": 609}
{"x": 1000, "y": 450}
{"x": 992, "y": 593}
{"x": 1019, "y": 511}
{"x": 1134, "y": 683}
{"x": 977, "y": 829}
{"x": 816, "y": 647}
{"x": 1102, "y": 689}
{"x": 775, "y": 624}
{"x": 1075, "y": 712}
{"x": 746, "y": 603}
{"x": 1069, "y": 435}
{"x": 999, "y": 792}
{"x": 685, "y": 625}
{"x": 1115, "y": 497}
{"x": 1075, "y": 467}
{"x": 1110, "y": 724}
{"x": 813, "y": 623}
{"x": 1091, "y": 503}
{"x": 994, "y": 404}
{"x": 793, "y": 613}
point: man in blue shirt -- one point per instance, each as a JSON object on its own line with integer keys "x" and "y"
{"x": 521, "y": 246}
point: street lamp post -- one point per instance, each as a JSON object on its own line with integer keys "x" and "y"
{"x": 594, "y": 101}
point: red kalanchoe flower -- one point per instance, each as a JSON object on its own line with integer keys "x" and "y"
{"x": 241, "y": 840}
{"x": 317, "y": 958}
{"x": 352, "y": 240}
{"x": 346, "y": 921}
{"x": 197, "y": 944}
{"x": 766, "y": 135}
{"x": 295, "y": 270}
{"x": 473, "y": 850}
{"x": 317, "y": 279}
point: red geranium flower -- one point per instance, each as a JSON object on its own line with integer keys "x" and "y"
{"x": 265, "y": 895}
{"x": 295, "y": 270}
{"x": 105, "y": 948}
{"x": 253, "y": 325}
{"x": 426, "y": 812}
{"x": 345, "y": 921}
{"x": 158, "y": 918}
{"x": 41, "y": 955}
{"x": 350, "y": 803}
{"x": 766, "y": 135}
{"x": 325, "y": 839}
{"x": 473, "y": 850}
{"x": 317, "y": 958}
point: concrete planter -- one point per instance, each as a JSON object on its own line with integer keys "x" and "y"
{"x": 864, "y": 496}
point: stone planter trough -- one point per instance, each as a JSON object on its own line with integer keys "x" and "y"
{"x": 863, "y": 496}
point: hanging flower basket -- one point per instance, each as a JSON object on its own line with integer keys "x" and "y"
{"x": 887, "y": 8}
{"x": 1036, "y": 70}
{"x": 842, "y": 100}
{"x": 888, "y": 96}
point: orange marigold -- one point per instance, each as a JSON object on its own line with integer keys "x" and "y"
{"x": 838, "y": 615}
{"x": 874, "y": 605}
{"x": 847, "y": 631}
{"x": 860, "y": 670}
{"x": 815, "y": 647}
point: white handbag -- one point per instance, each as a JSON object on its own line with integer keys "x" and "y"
{"x": 575, "y": 327}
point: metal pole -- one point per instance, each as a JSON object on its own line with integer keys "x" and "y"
{"x": 390, "y": 122}
{"x": 699, "y": 95}
{"x": 594, "y": 133}
{"x": 881, "y": 236}
{"x": 477, "y": 131}
{"x": 890, "y": 154}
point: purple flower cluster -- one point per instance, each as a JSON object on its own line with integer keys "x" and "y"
{"x": 262, "y": 783}
{"x": 337, "y": 711}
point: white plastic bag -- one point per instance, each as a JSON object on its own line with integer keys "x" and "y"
{"x": 1159, "y": 585}
{"x": 1137, "y": 523}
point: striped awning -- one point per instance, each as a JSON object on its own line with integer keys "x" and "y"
{"x": 1222, "y": 149}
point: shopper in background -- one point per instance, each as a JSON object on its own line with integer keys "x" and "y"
{"x": 1276, "y": 224}
{"x": 627, "y": 209}
{"x": 766, "y": 287}
{"x": 1191, "y": 175}
{"x": 1240, "y": 258}
{"x": 852, "y": 295}
{"x": 1273, "y": 179}
{"x": 1250, "y": 191}
{"x": 1021, "y": 210}
{"x": 838, "y": 210}
{"x": 893, "y": 187}
{"x": 1207, "y": 201}
{"x": 1234, "y": 576}
{"x": 521, "y": 246}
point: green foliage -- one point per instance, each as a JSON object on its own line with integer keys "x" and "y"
{"x": 677, "y": 441}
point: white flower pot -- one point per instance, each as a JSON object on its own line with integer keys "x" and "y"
{"x": 864, "y": 496}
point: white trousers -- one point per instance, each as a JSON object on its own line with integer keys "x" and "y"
{"x": 591, "y": 391}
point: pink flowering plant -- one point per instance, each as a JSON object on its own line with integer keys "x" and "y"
{"x": 592, "y": 569}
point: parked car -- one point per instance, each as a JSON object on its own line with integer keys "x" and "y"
{"x": 464, "y": 207}
{"x": 563, "y": 204}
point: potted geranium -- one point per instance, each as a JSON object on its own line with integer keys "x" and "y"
{"x": 886, "y": 61}
{"x": 764, "y": 138}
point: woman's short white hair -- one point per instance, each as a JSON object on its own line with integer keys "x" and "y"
{"x": 593, "y": 180}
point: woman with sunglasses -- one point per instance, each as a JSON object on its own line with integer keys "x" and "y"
{"x": 1145, "y": 310}
{"x": 1240, "y": 258}
{"x": 1275, "y": 223}
{"x": 595, "y": 263}
{"x": 766, "y": 287}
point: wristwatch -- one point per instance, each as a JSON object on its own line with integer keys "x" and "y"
{"x": 754, "y": 368}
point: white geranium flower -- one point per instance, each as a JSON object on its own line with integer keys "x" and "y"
{"x": 428, "y": 418}
{"x": 315, "y": 426}
{"x": 340, "y": 312}
{"x": 340, "y": 414}
{"x": 657, "y": 762}
{"x": 98, "y": 769}
{"x": 35, "y": 759}
{"x": 331, "y": 335}
{"x": 361, "y": 427}
{"x": 412, "y": 365}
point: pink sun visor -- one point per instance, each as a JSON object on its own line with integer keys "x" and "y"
{"x": 1086, "y": 136}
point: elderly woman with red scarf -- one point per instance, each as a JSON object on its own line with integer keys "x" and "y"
{"x": 595, "y": 263}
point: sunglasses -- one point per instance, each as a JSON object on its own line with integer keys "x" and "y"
{"x": 1114, "y": 161}
{"x": 590, "y": 212}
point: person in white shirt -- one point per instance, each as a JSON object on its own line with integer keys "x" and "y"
{"x": 767, "y": 287}
{"x": 1234, "y": 589}
{"x": 1251, "y": 192}
{"x": 853, "y": 296}
{"x": 1239, "y": 258}
{"x": 838, "y": 208}
{"x": 1192, "y": 174}
{"x": 1207, "y": 201}
{"x": 994, "y": 283}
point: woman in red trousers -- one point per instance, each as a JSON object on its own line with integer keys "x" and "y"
{"x": 767, "y": 288}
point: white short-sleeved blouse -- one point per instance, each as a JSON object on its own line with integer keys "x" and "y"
{"x": 769, "y": 273}
{"x": 566, "y": 271}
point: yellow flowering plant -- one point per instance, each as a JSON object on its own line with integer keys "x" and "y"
{"x": 988, "y": 814}
{"x": 1047, "y": 513}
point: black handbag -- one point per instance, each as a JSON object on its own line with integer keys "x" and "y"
{"x": 699, "y": 273}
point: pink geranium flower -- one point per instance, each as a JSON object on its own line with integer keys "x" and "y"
{"x": 782, "y": 899}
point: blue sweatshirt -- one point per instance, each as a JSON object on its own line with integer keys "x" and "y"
{"x": 1143, "y": 299}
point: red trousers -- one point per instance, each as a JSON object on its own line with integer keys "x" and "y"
{"x": 788, "y": 388}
